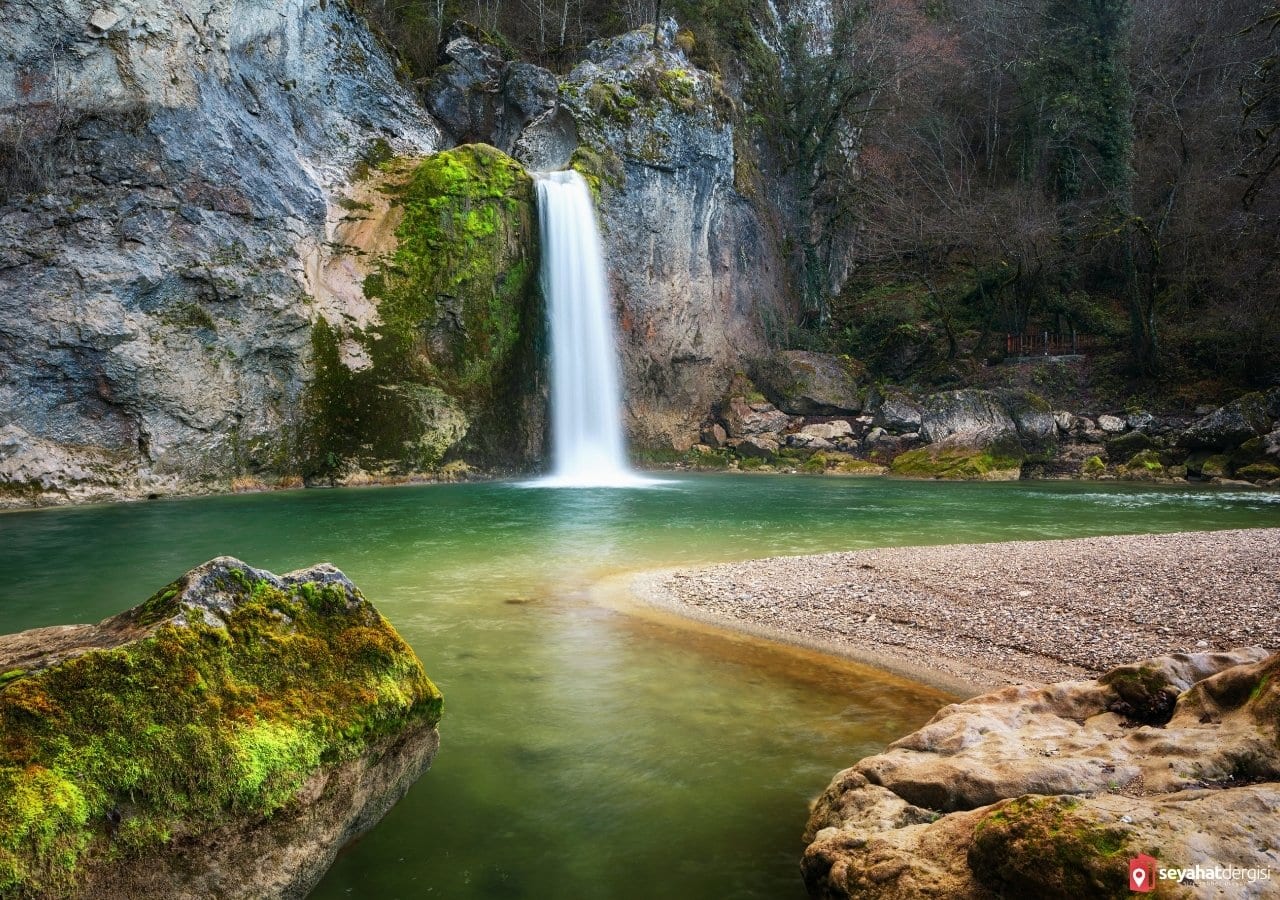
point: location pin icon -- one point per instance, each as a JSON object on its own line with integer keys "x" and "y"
{"x": 1139, "y": 876}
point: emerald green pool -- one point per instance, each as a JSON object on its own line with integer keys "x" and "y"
{"x": 586, "y": 753}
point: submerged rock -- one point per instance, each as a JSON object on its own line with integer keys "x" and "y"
{"x": 224, "y": 738}
{"x": 1050, "y": 791}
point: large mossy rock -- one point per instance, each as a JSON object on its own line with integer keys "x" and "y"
{"x": 1050, "y": 791}
{"x": 809, "y": 384}
{"x": 1230, "y": 426}
{"x": 453, "y": 366}
{"x": 223, "y": 739}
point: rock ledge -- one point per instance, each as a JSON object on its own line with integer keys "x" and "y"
{"x": 1050, "y": 791}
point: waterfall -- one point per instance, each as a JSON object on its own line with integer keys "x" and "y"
{"x": 587, "y": 444}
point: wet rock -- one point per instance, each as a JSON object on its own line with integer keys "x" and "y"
{"x": 1051, "y": 790}
{"x": 548, "y": 142}
{"x": 266, "y": 722}
{"x": 693, "y": 258}
{"x": 806, "y": 384}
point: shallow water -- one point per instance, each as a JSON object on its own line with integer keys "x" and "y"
{"x": 586, "y": 753}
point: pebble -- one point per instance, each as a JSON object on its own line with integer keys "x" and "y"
{"x": 1092, "y": 604}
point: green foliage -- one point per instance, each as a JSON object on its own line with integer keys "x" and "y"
{"x": 194, "y": 725}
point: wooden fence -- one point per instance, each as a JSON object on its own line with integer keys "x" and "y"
{"x": 1047, "y": 343}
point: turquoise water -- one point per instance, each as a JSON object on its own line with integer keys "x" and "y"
{"x": 586, "y": 753}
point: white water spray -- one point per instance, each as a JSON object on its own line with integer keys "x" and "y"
{"x": 587, "y": 445}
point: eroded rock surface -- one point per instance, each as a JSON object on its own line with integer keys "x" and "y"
{"x": 181, "y": 161}
{"x": 225, "y": 738}
{"x": 694, "y": 262}
{"x": 1049, "y": 791}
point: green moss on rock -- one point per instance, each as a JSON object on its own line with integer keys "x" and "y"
{"x": 460, "y": 324}
{"x": 1045, "y": 847}
{"x": 195, "y": 715}
{"x": 956, "y": 463}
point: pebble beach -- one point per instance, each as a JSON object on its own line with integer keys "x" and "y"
{"x": 972, "y": 617}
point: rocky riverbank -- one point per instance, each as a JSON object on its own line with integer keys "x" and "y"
{"x": 807, "y": 412}
{"x": 978, "y": 616}
{"x": 1052, "y": 791}
{"x": 224, "y": 738}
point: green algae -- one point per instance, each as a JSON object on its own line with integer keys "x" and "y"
{"x": 118, "y": 752}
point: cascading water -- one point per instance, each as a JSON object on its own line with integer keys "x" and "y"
{"x": 587, "y": 443}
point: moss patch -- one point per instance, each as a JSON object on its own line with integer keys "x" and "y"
{"x": 955, "y": 463}
{"x": 460, "y": 326}
{"x": 1044, "y": 847}
{"x": 118, "y": 752}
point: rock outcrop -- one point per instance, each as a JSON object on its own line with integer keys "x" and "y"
{"x": 1050, "y": 791}
{"x": 225, "y": 738}
{"x": 694, "y": 263}
{"x": 182, "y": 163}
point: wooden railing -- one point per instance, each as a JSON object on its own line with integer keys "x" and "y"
{"x": 1047, "y": 343}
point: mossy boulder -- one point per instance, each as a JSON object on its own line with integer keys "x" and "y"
{"x": 804, "y": 383}
{"x": 224, "y": 738}
{"x": 1145, "y": 466}
{"x": 1050, "y": 791}
{"x": 453, "y": 368}
{"x": 1230, "y": 426}
{"x": 1126, "y": 446}
{"x": 956, "y": 463}
{"x": 1259, "y": 471}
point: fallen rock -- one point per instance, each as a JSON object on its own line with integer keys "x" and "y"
{"x": 828, "y": 430}
{"x": 899, "y": 413}
{"x": 1112, "y": 424}
{"x": 757, "y": 447}
{"x": 1231, "y": 425}
{"x": 968, "y": 418}
{"x": 744, "y": 419}
{"x": 224, "y": 738}
{"x": 950, "y": 463}
{"x": 1050, "y": 791}
{"x": 808, "y": 384}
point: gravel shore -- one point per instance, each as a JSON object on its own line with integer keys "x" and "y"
{"x": 970, "y": 617}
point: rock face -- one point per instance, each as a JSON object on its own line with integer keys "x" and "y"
{"x": 449, "y": 365}
{"x": 182, "y": 167}
{"x": 1050, "y": 791}
{"x": 225, "y": 738}
{"x": 693, "y": 261}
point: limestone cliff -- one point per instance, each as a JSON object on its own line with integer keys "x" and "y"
{"x": 174, "y": 174}
{"x": 696, "y": 265}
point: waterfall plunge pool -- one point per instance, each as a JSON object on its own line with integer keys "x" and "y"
{"x": 586, "y": 753}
